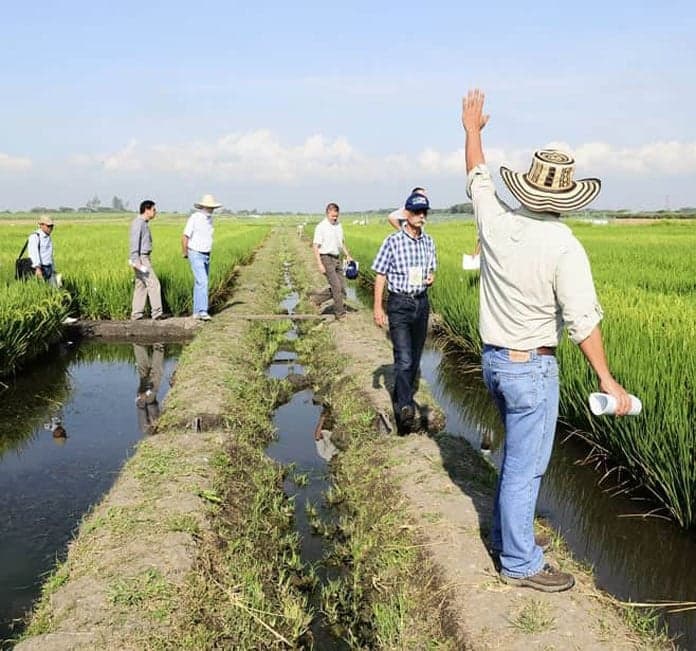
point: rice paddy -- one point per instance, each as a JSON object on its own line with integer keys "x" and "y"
{"x": 645, "y": 277}
{"x": 98, "y": 282}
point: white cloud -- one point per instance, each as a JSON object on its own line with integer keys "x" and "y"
{"x": 260, "y": 156}
{"x": 14, "y": 163}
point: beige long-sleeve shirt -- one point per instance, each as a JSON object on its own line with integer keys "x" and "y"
{"x": 535, "y": 275}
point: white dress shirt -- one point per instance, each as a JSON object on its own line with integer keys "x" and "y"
{"x": 199, "y": 230}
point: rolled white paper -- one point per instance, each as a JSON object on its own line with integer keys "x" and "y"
{"x": 471, "y": 262}
{"x": 603, "y": 404}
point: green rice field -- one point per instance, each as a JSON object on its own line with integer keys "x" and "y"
{"x": 92, "y": 258}
{"x": 646, "y": 282}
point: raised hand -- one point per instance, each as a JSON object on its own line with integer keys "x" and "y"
{"x": 473, "y": 118}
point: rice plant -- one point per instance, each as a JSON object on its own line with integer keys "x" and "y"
{"x": 92, "y": 258}
{"x": 645, "y": 277}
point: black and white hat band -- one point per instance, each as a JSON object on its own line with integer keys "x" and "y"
{"x": 549, "y": 184}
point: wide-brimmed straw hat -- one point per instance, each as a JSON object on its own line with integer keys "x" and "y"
{"x": 549, "y": 184}
{"x": 207, "y": 201}
{"x": 45, "y": 219}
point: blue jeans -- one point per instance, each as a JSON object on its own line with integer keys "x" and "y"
{"x": 408, "y": 327}
{"x": 526, "y": 394}
{"x": 200, "y": 266}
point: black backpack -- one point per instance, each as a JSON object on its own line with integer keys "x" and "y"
{"x": 23, "y": 266}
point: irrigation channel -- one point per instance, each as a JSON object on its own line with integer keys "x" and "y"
{"x": 66, "y": 428}
{"x": 635, "y": 557}
{"x": 303, "y": 443}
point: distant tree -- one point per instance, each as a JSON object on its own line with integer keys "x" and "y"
{"x": 39, "y": 209}
{"x": 461, "y": 208}
{"x": 66, "y": 209}
{"x": 118, "y": 205}
{"x": 93, "y": 204}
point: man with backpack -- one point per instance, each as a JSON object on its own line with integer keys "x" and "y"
{"x": 40, "y": 249}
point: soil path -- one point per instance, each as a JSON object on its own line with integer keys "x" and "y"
{"x": 448, "y": 491}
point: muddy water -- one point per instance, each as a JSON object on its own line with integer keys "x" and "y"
{"x": 635, "y": 557}
{"x": 66, "y": 429}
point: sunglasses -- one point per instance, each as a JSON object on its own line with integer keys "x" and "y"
{"x": 422, "y": 213}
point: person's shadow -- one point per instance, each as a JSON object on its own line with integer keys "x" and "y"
{"x": 467, "y": 468}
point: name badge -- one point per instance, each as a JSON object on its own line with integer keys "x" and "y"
{"x": 415, "y": 276}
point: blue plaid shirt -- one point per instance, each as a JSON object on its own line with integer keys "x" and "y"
{"x": 399, "y": 254}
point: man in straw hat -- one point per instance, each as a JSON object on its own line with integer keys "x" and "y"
{"x": 535, "y": 279}
{"x": 40, "y": 250}
{"x": 196, "y": 244}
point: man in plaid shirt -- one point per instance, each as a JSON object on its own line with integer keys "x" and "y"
{"x": 406, "y": 263}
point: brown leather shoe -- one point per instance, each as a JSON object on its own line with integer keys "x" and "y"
{"x": 548, "y": 579}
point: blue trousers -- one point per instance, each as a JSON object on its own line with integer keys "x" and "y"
{"x": 526, "y": 394}
{"x": 200, "y": 266}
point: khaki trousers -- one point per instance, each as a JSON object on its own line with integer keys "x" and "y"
{"x": 335, "y": 277}
{"x": 147, "y": 285}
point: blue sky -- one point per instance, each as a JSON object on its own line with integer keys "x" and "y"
{"x": 280, "y": 106}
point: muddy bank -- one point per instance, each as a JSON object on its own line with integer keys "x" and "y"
{"x": 172, "y": 329}
{"x": 448, "y": 487}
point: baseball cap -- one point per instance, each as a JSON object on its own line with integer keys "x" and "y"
{"x": 417, "y": 202}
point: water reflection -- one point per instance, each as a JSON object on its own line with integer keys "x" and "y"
{"x": 322, "y": 438}
{"x": 66, "y": 428}
{"x": 149, "y": 361}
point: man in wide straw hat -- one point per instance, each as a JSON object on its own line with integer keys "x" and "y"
{"x": 196, "y": 245}
{"x": 535, "y": 279}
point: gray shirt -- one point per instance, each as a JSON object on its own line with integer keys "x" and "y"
{"x": 535, "y": 275}
{"x": 140, "y": 239}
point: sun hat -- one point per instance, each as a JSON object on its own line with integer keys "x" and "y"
{"x": 45, "y": 219}
{"x": 549, "y": 184}
{"x": 207, "y": 201}
{"x": 416, "y": 202}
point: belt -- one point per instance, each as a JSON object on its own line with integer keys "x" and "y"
{"x": 414, "y": 295}
{"x": 330, "y": 255}
{"x": 541, "y": 350}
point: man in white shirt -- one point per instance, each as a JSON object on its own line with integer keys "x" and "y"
{"x": 328, "y": 243}
{"x": 397, "y": 217}
{"x": 535, "y": 279}
{"x": 40, "y": 249}
{"x": 196, "y": 245}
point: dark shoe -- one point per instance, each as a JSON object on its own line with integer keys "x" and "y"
{"x": 549, "y": 579}
{"x": 161, "y": 317}
{"x": 407, "y": 415}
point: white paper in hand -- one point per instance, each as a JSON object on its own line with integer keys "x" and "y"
{"x": 603, "y": 404}
{"x": 471, "y": 262}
